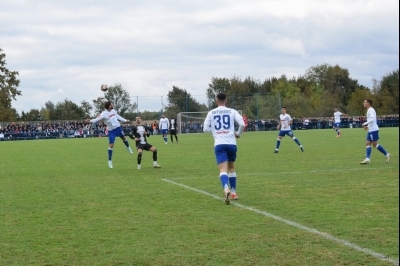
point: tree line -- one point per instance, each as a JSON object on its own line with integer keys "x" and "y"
{"x": 316, "y": 93}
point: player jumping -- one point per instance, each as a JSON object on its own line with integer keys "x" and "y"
{"x": 111, "y": 118}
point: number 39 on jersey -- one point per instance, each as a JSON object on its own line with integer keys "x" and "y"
{"x": 222, "y": 122}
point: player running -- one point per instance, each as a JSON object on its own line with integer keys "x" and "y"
{"x": 373, "y": 133}
{"x": 336, "y": 125}
{"x": 284, "y": 124}
{"x": 220, "y": 121}
{"x": 111, "y": 118}
{"x": 164, "y": 125}
{"x": 139, "y": 134}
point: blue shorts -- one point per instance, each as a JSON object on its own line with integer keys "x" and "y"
{"x": 225, "y": 153}
{"x": 373, "y": 136}
{"x": 164, "y": 131}
{"x": 336, "y": 125}
{"x": 282, "y": 133}
{"x": 116, "y": 132}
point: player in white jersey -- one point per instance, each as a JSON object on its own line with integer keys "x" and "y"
{"x": 373, "y": 133}
{"x": 336, "y": 125}
{"x": 164, "y": 125}
{"x": 221, "y": 122}
{"x": 284, "y": 124}
{"x": 139, "y": 134}
{"x": 111, "y": 118}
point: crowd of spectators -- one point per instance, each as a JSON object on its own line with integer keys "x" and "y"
{"x": 322, "y": 123}
{"x": 52, "y": 130}
{"x": 300, "y": 123}
{"x": 80, "y": 129}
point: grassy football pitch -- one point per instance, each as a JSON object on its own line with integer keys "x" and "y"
{"x": 62, "y": 205}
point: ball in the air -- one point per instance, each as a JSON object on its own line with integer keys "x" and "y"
{"x": 104, "y": 87}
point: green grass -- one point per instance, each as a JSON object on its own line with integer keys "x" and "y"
{"x": 61, "y": 205}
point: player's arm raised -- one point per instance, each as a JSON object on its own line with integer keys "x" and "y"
{"x": 120, "y": 118}
{"x": 100, "y": 117}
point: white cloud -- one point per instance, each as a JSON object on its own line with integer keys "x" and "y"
{"x": 67, "y": 49}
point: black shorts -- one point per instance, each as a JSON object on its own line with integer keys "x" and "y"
{"x": 145, "y": 147}
{"x": 172, "y": 131}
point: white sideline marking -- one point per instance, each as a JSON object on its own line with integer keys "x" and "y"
{"x": 321, "y": 171}
{"x": 300, "y": 172}
{"x": 297, "y": 225}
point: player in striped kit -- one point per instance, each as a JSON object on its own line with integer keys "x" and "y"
{"x": 140, "y": 133}
{"x": 172, "y": 129}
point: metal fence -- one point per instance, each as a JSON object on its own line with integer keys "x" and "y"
{"x": 79, "y": 129}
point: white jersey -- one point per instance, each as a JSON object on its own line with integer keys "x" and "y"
{"x": 285, "y": 119}
{"x": 110, "y": 118}
{"x": 221, "y": 121}
{"x": 371, "y": 120}
{"x": 337, "y": 115}
{"x": 164, "y": 123}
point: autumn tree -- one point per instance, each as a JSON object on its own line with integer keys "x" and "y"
{"x": 216, "y": 86}
{"x": 179, "y": 100}
{"x": 9, "y": 83}
{"x": 386, "y": 91}
{"x": 119, "y": 97}
{"x": 32, "y": 115}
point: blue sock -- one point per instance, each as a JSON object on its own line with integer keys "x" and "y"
{"x": 126, "y": 143}
{"x": 381, "y": 149}
{"x": 232, "y": 181}
{"x": 110, "y": 151}
{"x": 278, "y": 143}
{"x": 165, "y": 139}
{"x": 297, "y": 141}
{"x": 224, "y": 179}
{"x": 368, "y": 152}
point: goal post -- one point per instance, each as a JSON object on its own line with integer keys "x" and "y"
{"x": 192, "y": 122}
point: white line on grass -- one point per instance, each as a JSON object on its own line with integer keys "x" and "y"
{"x": 297, "y": 225}
{"x": 300, "y": 172}
{"x": 321, "y": 171}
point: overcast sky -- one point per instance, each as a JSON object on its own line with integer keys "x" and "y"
{"x": 67, "y": 49}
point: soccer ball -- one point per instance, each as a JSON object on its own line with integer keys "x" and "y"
{"x": 103, "y": 87}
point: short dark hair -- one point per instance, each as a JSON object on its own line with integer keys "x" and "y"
{"x": 107, "y": 104}
{"x": 221, "y": 96}
{"x": 369, "y": 101}
{"x": 283, "y": 107}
